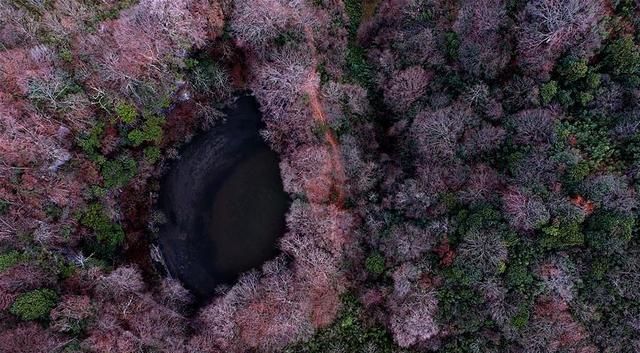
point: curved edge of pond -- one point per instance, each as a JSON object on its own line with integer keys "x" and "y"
{"x": 224, "y": 203}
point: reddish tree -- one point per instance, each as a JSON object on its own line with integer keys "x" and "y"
{"x": 256, "y": 23}
{"x": 174, "y": 295}
{"x": 483, "y": 50}
{"x": 322, "y": 226}
{"x": 484, "y": 139}
{"x": 413, "y": 307}
{"x": 276, "y": 317}
{"x": 279, "y": 86}
{"x": 308, "y": 171}
{"x": 535, "y": 126}
{"x": 553, "y": 329}
{"x": 558, "y": 277}
{"x": 23, "y": 277}
{"x": 71, "y": 312}
{"x": 437, "y": 132}
{"x": 29, "y": 338}
{"x": 361, "y": 174}
{"x": 482, "y": 186}
{"x": 611, "y": 192}
{"x": 407, "y": 242}
{"x": 406, "y": 87}
{"x": 121, "y": 283}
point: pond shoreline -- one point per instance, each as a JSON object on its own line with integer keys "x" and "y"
{"x": 217, "y": 228}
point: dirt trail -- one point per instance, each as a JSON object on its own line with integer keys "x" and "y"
{"x": 317, "y": 111}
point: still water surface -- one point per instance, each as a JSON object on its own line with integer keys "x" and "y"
{"x": 224, "y": 202}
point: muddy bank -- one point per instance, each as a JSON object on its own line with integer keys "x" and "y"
{"x": 224, "y": 203}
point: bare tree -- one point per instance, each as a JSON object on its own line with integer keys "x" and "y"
{"x": 524, "y": 211}
{"x": 552, "y": 26}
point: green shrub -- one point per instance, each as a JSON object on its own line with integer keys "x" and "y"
{"x": 521, "y": 318}
{"x": 9, "y": 259}
{"x": 354, "y": 12}
{"x": 473, "y": 344}
{"x": 4, "y": 207}
{"x": 477, "y": 218}
{"x": 599, "y": 268}
{"x": 126, "y": 112}
{"x": 117, "y": 172}
{"x": 375, "y": 264}
{"x": 562, "y": 235}
{"x": 358, "y": 69}
{"x": 109, "y": 235}
{"x": 591, "y": 138}
{"x": 564, "y": 97}
{"x": 573, "y": 69}
{"x": 53, "y": 211}
{"x": 518, "y": 275}
{"x": 90, "y": 143}
{"x": 593, "y": 80}
{"x": 584, "y": 98}
{"x": 151, "y": 131}
{"x": 609, "y": 230}
{"x": 548, "y": 91}
{"x": 151, "y": 154}
{"x": 451, "y": 44}
{"x": 577, "y": 172}
{"x": 66, "y": 55}
{"x": 623, "y": 56}
{"x": 461, "y": 306}
{"x": 348, "y": 333}
{"x": 35, "y": 304}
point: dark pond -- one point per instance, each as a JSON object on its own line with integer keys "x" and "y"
{"x": 224, "y": 203}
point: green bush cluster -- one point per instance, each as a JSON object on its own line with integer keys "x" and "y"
{"x": 608, "y": 231}
{"x": 576, "y": 83}
{"x": 521, "y": 318}
{"x": 4, "y": 207}
{"x": 451, "y": 44}
{"x": 519, "y": 275}
{"x": 151, "y": 154}
{"x": 548, "y": 91}
{"x": 119, "y": 171}
{"x": 591, "y": 138}
{"x": 53, "y": 211}
{"x": 90, "y": 143}
{"x": 109, "y": 235}
{"x": 207, "y": 76}
{"x": 34, "y": 305}
{"x": 622, "y": 56}
{"x": 573, "y": 69}
{"x": 126, "y": 112}
{"x": 477, "y": 218}
{"x": 461, "y": 306}
{"x": 358, "y": 69}
{"x": 348, "y": 333}
{"x": 562, "y": 235}
{"x": 150, "y": 131}
{"x": 9, "y": 259}
{"x": 375, "y": 264}
{"x": 354, "y": 12}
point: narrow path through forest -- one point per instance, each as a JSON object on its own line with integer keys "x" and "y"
{"x": 317, "y": 111}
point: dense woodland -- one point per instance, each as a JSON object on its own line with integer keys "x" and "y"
{"x": 464, "y": 173}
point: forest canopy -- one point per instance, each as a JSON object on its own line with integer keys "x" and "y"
{"x": 464, "y": 174}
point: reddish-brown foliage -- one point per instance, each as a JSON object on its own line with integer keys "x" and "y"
{"x": 445, "y": 252}
{"x": 587, "y": 206}
{"x": 29, "y": 338}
